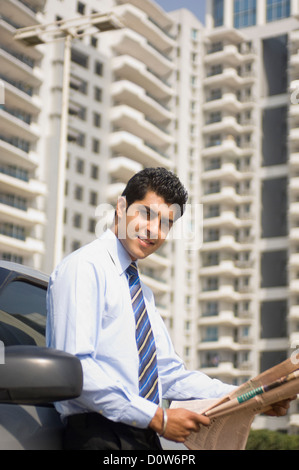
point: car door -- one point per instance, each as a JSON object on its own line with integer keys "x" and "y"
{"x": 22, "y": 322}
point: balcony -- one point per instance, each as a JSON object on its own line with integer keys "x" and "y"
{"x": 132, "y": 17}
{"x": 123, "y": 168}
{"x": 231, "y": 35}
{"x": 226, "y": 195}
{"x": 229, "y": 77}
{"x": 28, "y": 218}
{"x": 225, "y": 318}
{"x": 7, "y": 31}
{"x": 128, "y": 93}
{"x": 30, "y": 188}
{"x": 153, "y": 10}
{"x": 138, "y": 47}
{"x": 229, "y": 55}
{"x": 11, "y": 152}
{"x": 294, "y": 209}
{"x": 229, "y": 244}
{"x": 294, "y": 159}
{"x": 127, "y": 119}
{"x": 12, "y": 124}
{"x": 21, "y": 247}
{"x": 228, "y": 102}
{"x": 223, "y": 342}
{"x": 158, "y": 286}
{"x": 15, "y": 67}
{"x": 294, "y": 312}
{"x": 114, "y": 190}
{"x": 128, "y": 145}
{"x": 156, "y": 260}
{"x": 21, "y": 12}
{"x": 228, "y": 172}
{"x": 294, "y": 134}
{"x": 17, "y": 98}
{"x": 129, "y": 68}
{"x": 294, "y": 184}
{"x": 227, "y": 146}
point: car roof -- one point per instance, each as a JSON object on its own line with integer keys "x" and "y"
{"x": 20, "y": 269}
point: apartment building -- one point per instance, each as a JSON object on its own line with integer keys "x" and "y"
{"x": 248, "y": 297}
{"x": 22, "y": 186}
{"x": 120, "y": 119}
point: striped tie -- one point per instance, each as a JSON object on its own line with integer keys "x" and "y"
{"x": 148, "y": 371}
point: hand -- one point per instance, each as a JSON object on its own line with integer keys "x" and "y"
{"x": 180, "y": 423}
{"x": 280, "y": 408}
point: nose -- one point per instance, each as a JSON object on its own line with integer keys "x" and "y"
{"x": 153, "y": 228}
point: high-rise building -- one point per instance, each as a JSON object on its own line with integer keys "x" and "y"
{"x": 248, "y": 300}
{"x": 217, "y": 104}
{"x": 22, "y": 185}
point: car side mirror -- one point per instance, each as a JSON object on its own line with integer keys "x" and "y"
{"x": 39, "y": 375}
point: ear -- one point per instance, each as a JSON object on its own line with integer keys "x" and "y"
{"x": 121, "y": 206}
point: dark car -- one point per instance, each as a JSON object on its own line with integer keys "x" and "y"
{"x": 32, "y": 376}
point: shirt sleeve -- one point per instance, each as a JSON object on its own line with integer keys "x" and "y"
{"x": 177, "y": 382}
{"x": 75, "y": 303}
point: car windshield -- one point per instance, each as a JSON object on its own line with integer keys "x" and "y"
{"x": 22, "y": 314}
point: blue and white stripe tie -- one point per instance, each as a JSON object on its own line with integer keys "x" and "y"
{"x": 148, "y": 370}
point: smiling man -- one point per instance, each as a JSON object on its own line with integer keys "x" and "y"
{"x": 100, "y": 311}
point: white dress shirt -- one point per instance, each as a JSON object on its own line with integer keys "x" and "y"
{"x": 90, "y": 315}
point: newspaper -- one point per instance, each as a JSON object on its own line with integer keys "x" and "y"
{"x": 231, "y": 416}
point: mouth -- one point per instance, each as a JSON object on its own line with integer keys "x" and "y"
{"x": 145, "y": 242}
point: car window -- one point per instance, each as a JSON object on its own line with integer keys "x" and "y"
{"x": 22, "y": 314}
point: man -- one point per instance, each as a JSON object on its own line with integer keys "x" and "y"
{"x": 94, "y": 302}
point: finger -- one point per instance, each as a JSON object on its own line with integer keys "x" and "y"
{"x": 202, "y": 419}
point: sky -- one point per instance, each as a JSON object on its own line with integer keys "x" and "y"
{"x": 196, "y": 6}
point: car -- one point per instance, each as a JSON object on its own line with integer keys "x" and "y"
{"x": 32, "y": 376}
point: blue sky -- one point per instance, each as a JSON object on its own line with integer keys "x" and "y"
{"x": 196, "y": 6}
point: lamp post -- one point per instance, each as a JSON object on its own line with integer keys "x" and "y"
{"x": 65, "y": 30}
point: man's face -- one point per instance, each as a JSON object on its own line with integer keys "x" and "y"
{"x": 144, "y": 225}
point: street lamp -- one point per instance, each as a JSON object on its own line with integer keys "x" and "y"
{"x": 65, "y": 30}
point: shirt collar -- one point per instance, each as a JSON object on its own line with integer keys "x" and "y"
{"x": 118, "y": 253}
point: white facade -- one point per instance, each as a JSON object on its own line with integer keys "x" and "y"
{"x": 22, "y": 186}
{"x": 251, "y": 73}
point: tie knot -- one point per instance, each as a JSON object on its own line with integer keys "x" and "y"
{"x": 132, "y": 270}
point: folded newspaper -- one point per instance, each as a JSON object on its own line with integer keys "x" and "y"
{"x": 231, "y": 416}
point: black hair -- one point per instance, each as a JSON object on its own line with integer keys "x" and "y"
{"x": 161, "y": 181}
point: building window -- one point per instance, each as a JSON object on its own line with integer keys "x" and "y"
{"x": 95, "y": 146}
{"x": 93, "y": 198}
{"x": 80, "y": 166}
{"x": 218, "y": 12}
{"x": 244, "y": 13}
{"x": 81, "y": 8}
{"x": 98, "y": 68}
{"x": 79, "y": 58}
{"x": 77, "y": 221}
{"x": 94, "y": 172}
{"x": 98, "y": 93}
{"x": 92, "y": 225}
{"x": 278, "y": 9}
{"x": 93, "y": 41}
{"x": 96, "y": 119}
{"x": 79, "y": 193}
{"x": 75, "y": 245}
